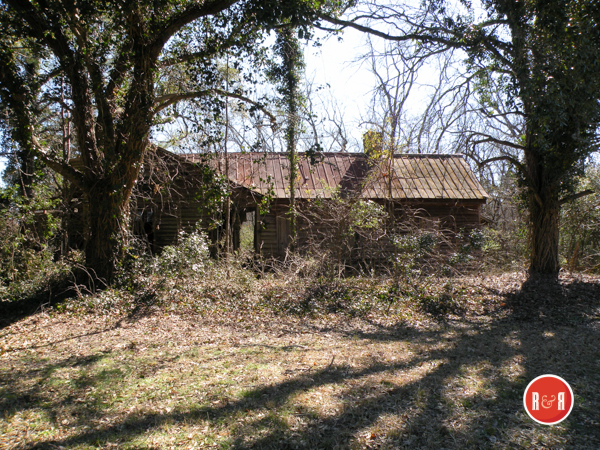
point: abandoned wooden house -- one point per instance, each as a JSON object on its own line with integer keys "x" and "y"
{"x": 441, "y": 188}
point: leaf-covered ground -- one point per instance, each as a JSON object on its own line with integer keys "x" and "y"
{"x": 440, "y": 377}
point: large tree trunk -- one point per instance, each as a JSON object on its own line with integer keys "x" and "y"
{"x": 108, "y": 220}
{"x": 544, "y": 215}
{"x": 544, "y": 223}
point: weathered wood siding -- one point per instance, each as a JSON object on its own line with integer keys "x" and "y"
{"x": 273, "y": 232}
{"x": 270, "y": 232}
{"x": 452, "y": 216}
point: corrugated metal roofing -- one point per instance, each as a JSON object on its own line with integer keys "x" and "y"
{"x": 405, "y": 177}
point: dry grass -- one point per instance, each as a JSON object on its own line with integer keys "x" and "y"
{"x": 253, "y": 379}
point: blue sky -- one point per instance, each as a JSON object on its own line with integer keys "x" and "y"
{"x": 349, "y": 82}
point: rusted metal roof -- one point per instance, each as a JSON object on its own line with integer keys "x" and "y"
{"x": 405, "y": 177}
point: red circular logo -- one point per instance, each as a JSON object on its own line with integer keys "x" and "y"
{"x": 548, "y": 399}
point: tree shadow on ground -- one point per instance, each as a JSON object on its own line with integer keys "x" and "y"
{"x": 461, "y": 387}
{"x": 55, "y": 291}
{"x": 75, "y": 284}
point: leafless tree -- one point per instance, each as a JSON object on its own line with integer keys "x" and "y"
{"x": 541, "y": 63}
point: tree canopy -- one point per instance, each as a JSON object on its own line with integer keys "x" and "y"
{"x": 119, "y": 68}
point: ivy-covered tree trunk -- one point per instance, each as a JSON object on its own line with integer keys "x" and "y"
{"x": 108, "y": 203}
{"x": 544, "y": 213}
{"x": 288, "y": 76}
{"x": 108, "y": 216}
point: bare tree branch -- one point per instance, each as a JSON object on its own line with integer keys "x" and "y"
{"x": 572, "y": 197}
{"x": 508, "y": 158}
{"x": 167, "y": 100}
{"x": 496, "y": 141}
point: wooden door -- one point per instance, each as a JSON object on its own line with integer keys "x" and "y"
{"x": 283, "y": 234}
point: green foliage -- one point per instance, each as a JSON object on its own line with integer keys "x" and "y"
{"x": 414, "y": 251}
{"x": 247, "y": 235}
{"x": 419, "y": 253}
{"x": 441, "y": 303}
{"x": 213, "y": 189}
{"x": 366, "y": 215}
{"x": 373, "y": 144}
{"x": 468, "y": 244}
{"x": 351, "y": 297}
{"x": 28, "y": 240}
{"x": 287, "y": 75}
{"x": 264, "y": 205}
{"x": 190, "y": 255}
{"x": 287, "y": 72}
{"x": 181, "y": 279}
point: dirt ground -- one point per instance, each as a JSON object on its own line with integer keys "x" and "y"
{"x": 260, "y": 380}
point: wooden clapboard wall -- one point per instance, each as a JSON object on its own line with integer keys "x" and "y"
{"x": 273, "y": 232}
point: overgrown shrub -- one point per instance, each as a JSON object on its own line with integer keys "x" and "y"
{"x": 503, "y": 251}
{"x": 345, "y": 237}
{"x": 181, "y": 278}
{"x": 505, "y": 247}
{"x": 414, "y": 251}
{"x": 337, "y": 230}
{"x": 190, "y": 255}
{"x": 28, "y": 241}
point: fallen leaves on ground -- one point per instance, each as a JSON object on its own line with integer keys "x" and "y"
{"x": 255, "y": 378}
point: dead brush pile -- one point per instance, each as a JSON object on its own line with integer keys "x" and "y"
{"x": 185, "y": 280}
{"x": 232, "y": 288}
